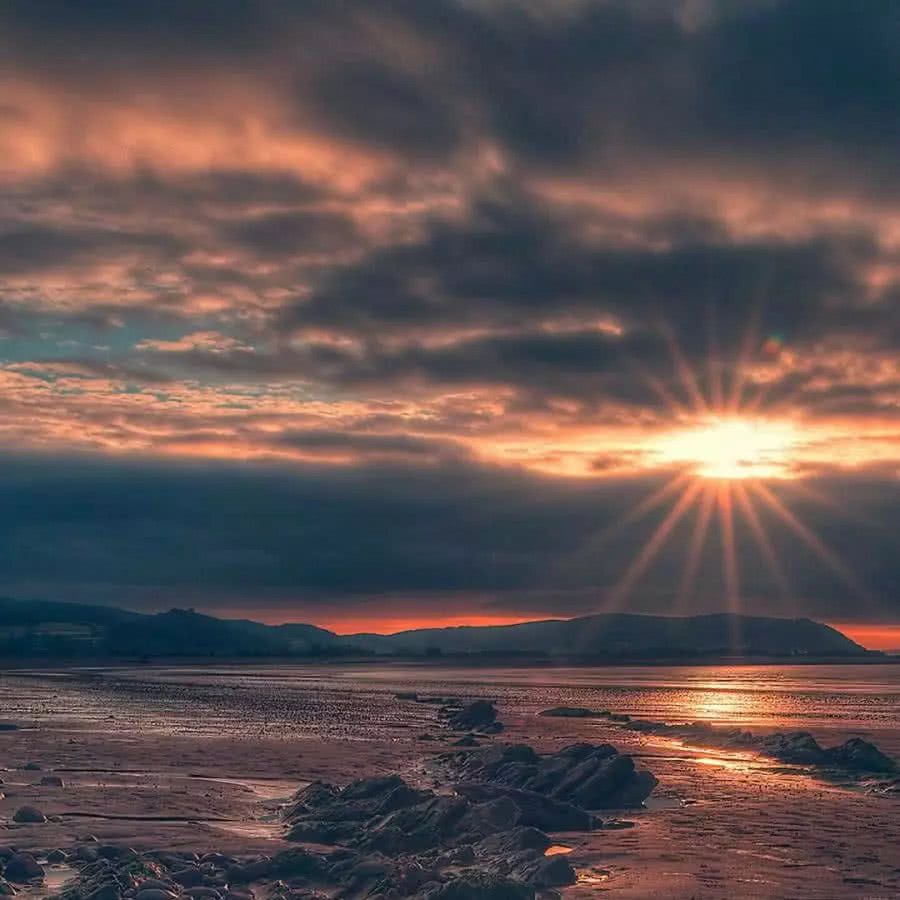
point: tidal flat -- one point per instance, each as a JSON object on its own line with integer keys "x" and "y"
{"x": 177, "y": 763}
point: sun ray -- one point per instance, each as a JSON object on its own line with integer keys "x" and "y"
{"x": 749, "y": 341}
{"x": 811, "y": 539}
{"x": 817, "y": 496}
{"x": 684, "y": 370}
{"x": 729, "y": 559}
{"x": 639, "y": 511}
{"x": 729, "y": 555}
{"x": 695, "y": 551}
{"x": 714, "y": 373}
{"x": 676, "y": 407}
{"x": 649, "y": 551}
{"x": 763, "y": 542}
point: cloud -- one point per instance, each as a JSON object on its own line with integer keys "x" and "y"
{"x": 317, "y": 541}
{"x": 495, "y": 243}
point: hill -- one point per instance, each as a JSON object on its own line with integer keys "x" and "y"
{"x": 628, "y": 635}
{"x": 51, "y": 629}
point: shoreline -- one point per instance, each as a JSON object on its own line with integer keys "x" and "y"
{"x": 13, "y": 667}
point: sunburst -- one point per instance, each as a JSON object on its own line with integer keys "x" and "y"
{"x": 726, "y": 460}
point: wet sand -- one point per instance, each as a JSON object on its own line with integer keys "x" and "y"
{"x": 723, "y": 825}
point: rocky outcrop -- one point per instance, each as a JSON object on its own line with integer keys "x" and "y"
{"x": 480, "y": 715}
{"x": 799, "y": 748}
{"x": 480, "y": 836}
{"x": 585, "y": 776}
{"x": 22, "y": 867}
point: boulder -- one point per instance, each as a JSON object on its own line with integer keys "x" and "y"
{"x": 6, "y": 889}
{"x": 190, "y": 876}
{"x": 480, "y": 886}
{"x": 154, "y": 894}
{"x": 29, "y": 814}
{"x": 57, "y": 856}
{"x": 22, "y": 867}
{"x": 571, "y": 712}
{"x": 796, "y": 748}
{"x": 860, "y": 756}
{"x": 536, "y": 810}
{"x": 543, "y": 871}
{"x": 476, "y": 716}
{"x": 513, "y": 841}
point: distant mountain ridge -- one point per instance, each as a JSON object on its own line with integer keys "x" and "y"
{"x": 37, "y": 628}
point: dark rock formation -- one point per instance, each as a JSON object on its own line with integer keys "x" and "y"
{"x": 476, "y": 716}
{"x": 573, "y": 712}
{"x": 583, "y": 775}
{"x": 29, "y": 814}
{"x": 22, "y": 867}
{"x": 799, "y": 748}
{"x": 409, "y": 837}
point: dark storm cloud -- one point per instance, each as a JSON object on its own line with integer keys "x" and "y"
{"x": 40, "y": 248}
{"x": 224, "y": 532}
{"x": 810, "y": 80}
{"x": 285, "y": 234}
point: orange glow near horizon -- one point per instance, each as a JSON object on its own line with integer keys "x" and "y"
{"x": 872, "y": 637}
{"x": 393, "y": 624}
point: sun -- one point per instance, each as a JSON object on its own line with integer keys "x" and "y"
{"x": 729, "y": 448}
{"x": 723, "y": 460}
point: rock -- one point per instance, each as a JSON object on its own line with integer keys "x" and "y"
{"x": 22, "y": 867}
{"x": 467, "y": 740}
{"x": 481, "y": 886}
{"x": 86, "y": 853}
{"x": 203, "y": 893}
{"x": 570, "y": 712}
{"x": 860, "y": 756}
{"x": 6, "y": 853}
{"x": 154, "y": 894}
{"x": 155, "y": 884}
{"x": 31, "y": 767}
{"x": 8, "y": 726}
{"x": 29, "y": 814}
{"x": 536, "y": 810}
{"x": 6, "y": 889}
{"x": 188, "y": 877}
{"x": 366, "y": 788}
{"x": 57, "y": 856}
{"x": 585, "y": 775}
{"x": 544, "y": 871}
{"x": 51, "y": 781}
{"x": 108, "y": 891}
{"x": 493, "y": 728}
{"x": 296, "y": 861}
{"x": 796, "y": 748}
{"x": 617, "y": 824}
{"x": 252, "y": 870}
{"x": 514, "y": 841}
{"x": 477, "y": 716}
{"x": 406, "y": 695}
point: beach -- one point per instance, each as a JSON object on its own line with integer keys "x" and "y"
{"x": 204, "y": 758}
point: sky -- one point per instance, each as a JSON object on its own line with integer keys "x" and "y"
{"x": 378, "y": 314}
